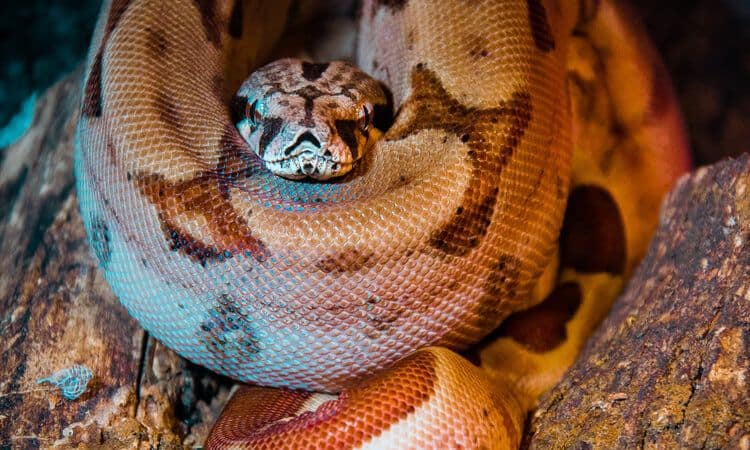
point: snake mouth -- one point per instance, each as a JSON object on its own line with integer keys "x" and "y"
{"x": 308, "y": 164}
{"x": 301, "y": 153}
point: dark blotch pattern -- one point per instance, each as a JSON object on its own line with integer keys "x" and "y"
{"x": 208, "y": 18}
{"x": 313, "y": 71}
{"x": 593, "y": 233}
{"x": 308, "y": 120}
{"x": 202, "y": 196}
{"x": 502, "y": 284}
{"x": 167, "y": 108}
{"x": 116, "y": 11}
{"x": 309, "y": 93}
{"x": 501, "y": 287}
{"x": 92, "y": 93}
{"x": 433, "y": 108}
{"x": 188, "y": 245}
{"x": 271, "y": 127}
{"x": 235, "y": 20}
{"x": 207, "y": 195}
{"x": 100, "y": 241}
{"x": 229, "y": 333}
{"x": 467, "y": 227}
{"x": 346, "y": 131}
{"x": 157, "y": 43}
{"x": 540, "y": 29}
{"x": 542, "y": 327}
{"x": 350, "y": 260}
{"x": 478, "y": 47}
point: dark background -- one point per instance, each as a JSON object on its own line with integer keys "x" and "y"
{"x": 40, "y": 42}
{"x": 706, "y": 45}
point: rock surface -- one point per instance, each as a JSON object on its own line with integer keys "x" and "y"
{"x": 670, "y": 366}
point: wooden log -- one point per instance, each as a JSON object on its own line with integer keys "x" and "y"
{"x": 670, "y": 366}
{"x": 57, "y": 311}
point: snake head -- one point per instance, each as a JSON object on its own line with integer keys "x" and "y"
{"x": 309, "y": 120}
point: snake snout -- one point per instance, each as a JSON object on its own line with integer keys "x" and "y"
{"x": 310, "y": 156}
{"x": 306, "y": 142}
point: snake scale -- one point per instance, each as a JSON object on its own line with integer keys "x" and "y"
{"x": 451, "y": 218}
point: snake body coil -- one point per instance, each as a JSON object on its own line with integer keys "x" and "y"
{"x": 441, "y": 230}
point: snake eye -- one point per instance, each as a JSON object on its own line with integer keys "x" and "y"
{"x": 252, "y": 113}
{"x": 364, "y": 119}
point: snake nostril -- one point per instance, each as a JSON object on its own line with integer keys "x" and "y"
{"x": 304, "y": 137}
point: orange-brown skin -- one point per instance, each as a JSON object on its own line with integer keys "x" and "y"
{"x": 405, "y": 407}
{"x": 447, "y": 225}
{"x": 629, "y": 148}
{"x": 202, "y": 233}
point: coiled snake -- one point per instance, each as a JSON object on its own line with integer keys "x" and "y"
{"x": 357, "y": 286}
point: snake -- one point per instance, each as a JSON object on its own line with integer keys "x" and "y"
{"x": 395, "y": 221}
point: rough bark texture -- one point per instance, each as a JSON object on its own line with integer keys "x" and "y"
{"x": 56, "y": 310}
{"x": 670, "y": 366}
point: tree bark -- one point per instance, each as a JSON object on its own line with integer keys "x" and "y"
{"x": 56, "y": 311}
{"x": 670, "y": 366}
